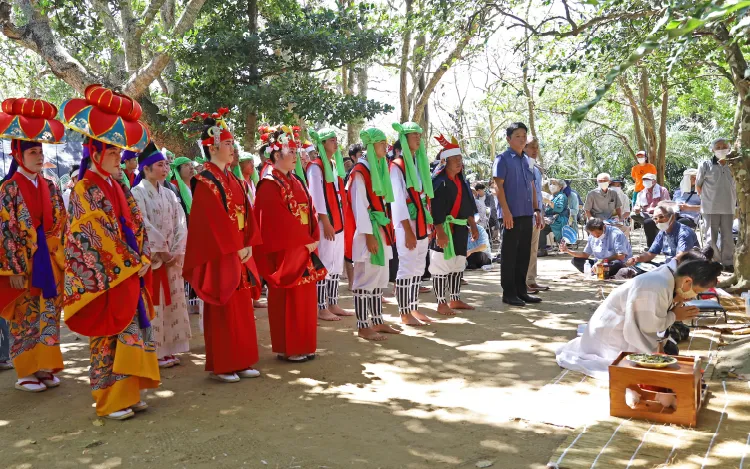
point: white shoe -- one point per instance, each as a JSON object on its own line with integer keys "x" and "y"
{"x": 30, "y": 384}
{"x": 141, "y": 406}
{"x": 249, "y": 373}
{"x": 166, "y": 363}
{"x": 225, "y": 378}
{"x": 120, "y": 415}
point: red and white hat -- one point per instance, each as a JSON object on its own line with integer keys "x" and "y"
{"x": 451, "y": 148}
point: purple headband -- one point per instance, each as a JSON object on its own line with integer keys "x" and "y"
{"x": 153, "y": 158}
{"x": 128, "y": 155}
{"x": 14, "y": 164}
{"x": 87, "y": 156}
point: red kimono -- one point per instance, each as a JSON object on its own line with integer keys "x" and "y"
{"x": 222, "y": 223}
{"x": 288, "y": 224}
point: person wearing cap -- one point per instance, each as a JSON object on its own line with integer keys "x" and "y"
{"x": 130, "y": 162}
{"x": 716, "y": 185}
{"x": 325, "y": 180}
{"x": 638, "y": 170}
{"x": 219, "y": 262}
{"x": 369, "y": 235}
{"x": 182, "y": 172}
{"x": 520, "y": 211}
{"x": 32, "y": 222}
{"x": 287, "y": 258}
{"x": 249, "y": 174}
{"x": 453, "y": 211}
{"x": 167, "y": 235}
{"x": 602, "y": 202}
{"x": 412, "y": 189}
{"x": 646, "y": 203}
{"x": 672, "y": 238}
{"x": 107, "y": 256}
{"x": 688, "y": 199}
{"x": 605, "y": 243}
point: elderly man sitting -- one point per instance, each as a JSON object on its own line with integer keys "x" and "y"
{"x": 645, "y": 204}
{"x": 673, "y": 237}
{"x": 605, "y": 242}
{"x": 602, "y": 202}
{"x": 688, "y": 200}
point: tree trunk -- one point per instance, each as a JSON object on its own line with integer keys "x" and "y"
{"x": 493, "y": 141}
{"x": 661, "y": 159}
{"x": 404, "y": 66}
{"x": 737, "y": 119}
{"x": 251, "y": 116}
{"x": 644, "y": 91}
{"x": 634, "y": 111}
{"x": 251, "y": 123}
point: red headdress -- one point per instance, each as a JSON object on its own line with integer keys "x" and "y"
{"x": 451, "y": 148}
{"x": 29, "y": 120}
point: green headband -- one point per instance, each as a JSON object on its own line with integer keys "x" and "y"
{"x": 381, "y": 180}
{"x": 422, "y": 163}
{"x": 318, "y": 138}
{"x": 185, "y": 194}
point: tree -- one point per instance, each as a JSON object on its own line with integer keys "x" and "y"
{"x": 282, "y": 71}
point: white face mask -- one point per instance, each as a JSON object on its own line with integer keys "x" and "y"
{"x": 554, "y": 189}
{"x": 603, "y": 185}
{"x": 616, "y": 188}
{"x": 663, "y": 226}
{"x": 648, "y": 183}
{"x": 641, "y": 160}
{"x": 686, "y": 295}
{"x": 721, "y": 154}
{"x": 532, "y": 162}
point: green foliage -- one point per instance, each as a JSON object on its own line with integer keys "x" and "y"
{"x": 278, "y": 72}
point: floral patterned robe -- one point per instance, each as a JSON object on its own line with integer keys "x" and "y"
{"x": 166, "y": 227}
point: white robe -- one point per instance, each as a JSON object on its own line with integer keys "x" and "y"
{"x": 367, "y": 276}
{"x": 627, "y": 321}
{"x": 411, "y": 262}
{"x": 167, "y": 233}
{"x": 331, "y": 253}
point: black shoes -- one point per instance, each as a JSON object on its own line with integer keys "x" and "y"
{"x": 513, "y": 301}
{"x": 530, "y": 299}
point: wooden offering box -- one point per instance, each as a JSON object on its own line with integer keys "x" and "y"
{"x": 683, "y": 378}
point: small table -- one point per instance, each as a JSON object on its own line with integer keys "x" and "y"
{"x": 683, "y": 378}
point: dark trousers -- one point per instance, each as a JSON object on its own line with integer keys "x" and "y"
{"x": 515, "y": 251}
{"x": 543, "y": 236}
{"x": 689, "y": 222}
{"x": 649, "y": 227}
{"x": 614, "y": 266}
{"x": 477, "y": 260}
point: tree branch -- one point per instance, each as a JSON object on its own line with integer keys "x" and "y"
{"x": 106, "y": 17}
{"x": 149, "y": 14}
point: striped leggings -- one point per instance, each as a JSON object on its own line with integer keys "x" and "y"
{"x": 328, "y": 291}
{"x": 368, "y": 304}
{"x": 446, "y": 286}
{"x": 407, "y": 294}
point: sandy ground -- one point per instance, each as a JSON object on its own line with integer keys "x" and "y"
{"x": 439, "y": 396}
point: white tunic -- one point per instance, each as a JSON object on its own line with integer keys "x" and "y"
{"x": 167, "y": 234}
{"x": 331, "y": 253}
{"x": 411, "y": 262}
{"x": 626, "y": 321}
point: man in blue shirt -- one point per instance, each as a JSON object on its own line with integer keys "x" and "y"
{"x": 673, "y": 237}
{"x": 605, "y": 242}
{"x": 519, "y": 209}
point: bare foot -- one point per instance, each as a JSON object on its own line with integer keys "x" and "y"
{"x": 339, "y": 311}
{"x": 445, "y": 310}
{"x": 410, "y": 320}
{"x": 459, "y": 305}
{"x": 385, "y": 328}
{"x": 421, "y": 317}
{"x": 260, "y": 304}
{"x": 370, "y": 334}
{"x": 326, "y": 315}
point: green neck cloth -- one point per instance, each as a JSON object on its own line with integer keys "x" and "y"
{"x": 299, "y": 171}
{"x": 319, "y": 137}
{"x": 449, "y": 252}
{"x": 379, "y": 174}
{"x": 185, "y": 194}
{"x": 125, "y": 179}
{"x": 378, "y": 219}
{"x": 412, "y": 165}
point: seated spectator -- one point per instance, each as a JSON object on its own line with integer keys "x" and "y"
{"x": 479, "y": 198}
{"x": 617, "y": 186}
{"x": 673, "y": 237}
{"x": 605, "y": 242}
{"x": 574, "y": 202}
{"x": 557, "y": 211}
{"x": 478, "y": 252}
{"x": 602, "y": 202}
{"x": 688, "y": 199}
{"x": 646, "y": 203}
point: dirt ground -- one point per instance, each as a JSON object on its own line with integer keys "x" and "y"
{"x": 439, "y": 396}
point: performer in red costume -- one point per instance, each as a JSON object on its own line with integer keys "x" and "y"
{"x": 287, "y": 258}
{"x": 218, "y": 259}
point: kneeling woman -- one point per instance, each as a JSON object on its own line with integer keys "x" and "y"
{"x": 631, "y": 316}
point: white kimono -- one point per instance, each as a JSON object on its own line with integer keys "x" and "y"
{"x": 367, "y": 276}
{"x": 627, "y": 321}
{"x": 411, "y": 262}
{"x": 331, "y": 253}
{"x": 167, "y": 233}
